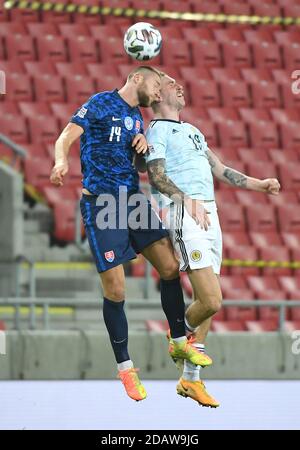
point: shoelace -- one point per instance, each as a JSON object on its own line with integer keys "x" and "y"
{"x": 126, "y": 378}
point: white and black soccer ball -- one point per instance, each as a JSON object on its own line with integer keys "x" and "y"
{"x": 142, "y": 41}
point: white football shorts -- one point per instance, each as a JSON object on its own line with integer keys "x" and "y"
{"x": 195, "y": 248}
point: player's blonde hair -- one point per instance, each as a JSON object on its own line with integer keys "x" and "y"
{"x": 144, "y": 70}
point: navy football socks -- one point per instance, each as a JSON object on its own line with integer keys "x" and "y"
{"x": 173, "y": 305}
{"x": 117, "y": 327}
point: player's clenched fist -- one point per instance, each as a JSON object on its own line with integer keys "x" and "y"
{"x": 139, "y": 143}
{"x": 58, "y": 172}
{"x": 270, "y": 186}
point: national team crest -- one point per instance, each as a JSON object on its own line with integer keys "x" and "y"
{"x": 128, "y": 123}
{"x": 109, "y": 256}
{"x": 137, "y": 126}
{"x": 196, "y": 255}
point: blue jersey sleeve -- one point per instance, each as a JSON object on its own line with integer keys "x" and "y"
{"x": 89, "y": 112}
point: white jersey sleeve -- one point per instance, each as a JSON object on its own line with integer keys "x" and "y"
{"x": 157, "y": 138}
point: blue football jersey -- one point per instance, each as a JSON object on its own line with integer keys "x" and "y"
{"x": 106, "y": 154}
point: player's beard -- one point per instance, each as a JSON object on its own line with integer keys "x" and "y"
{"x": 143, "y": 98}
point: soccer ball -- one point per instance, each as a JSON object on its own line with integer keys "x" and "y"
{"x": 142, "y": 41}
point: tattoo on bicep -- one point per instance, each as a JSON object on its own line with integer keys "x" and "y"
{"x": 234, "y": 177}
{"x": 210, "y": 158}
{"x": 158, "y": 179}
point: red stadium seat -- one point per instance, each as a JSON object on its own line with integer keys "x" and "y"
{"x": 206, "y": 6}
{"x": 256, "y": 75}
{"x": 266, "y": 239}
{"x": 281, "y": 76}
{"x": 14, "y": 127}
{"x": 107, "y": 83}
{"x": 73, "y": 30}
{"x": 236, "y": 54}
{"x": 275, "y": 253}
{"x": 228, "y": 35}
{"x": 232, "y": 219}
{"x": 197, "y": 34}
{"x": 56, "y": 16}
{"x": 235, "y": 93}
{"x": 194, "y": 73}
{"x": 281, "y": 116}
{"x": 235, "y": 238}
{"x": 291, "y": 325}
{"x": 64, "y": 219}
{"x": 36, "y": 150}
{"x": 258, "y": 35}
{"x": 262, "y": 169}
{"x": 37, "y": 172}
{"x": 83, "y": 48}
{"x": 287, "y": 37}
{"x": 24, "y": 15}
{"x": 228, "y": 326}
{"x": 290, "y": 100}
{"x": 290, "y": 175}
{"x": 219, "y": 115}
{"x": 232, "y": 133}
{"x": 176, "y": 52}
{"x": 261, "y": 326}
{"x": 225, "y": 196}
{"x": 43, "y": 129}
{"x": 34, "y": 109}
{"x": 12, "y": 67}
{"x": 112, "y": 50}
{"x": 243, "y": 253}
{"x": 63, "y": 111}
{"x": 266, "y": 9}
{"x": 204, "y": 93}
{"x": 266, "y": 55}
{"x": 18, "y": 88}
{"x": 291, "y": 240}
{"x": 290, "y": 134}
{"x": 96, "y": 70}
{"x": 20, "y": 47}
{"x": 190, "y": 113}
{"x": 12, "y": 28}
{"x": 289, "y": 284}
{"x": 254, "y": 154}
{"x": 261, "y": 218}
{"x": 100, "y": 32}
{"x": 206, "y": 54}
{"x": 283, "y": 156}
{"x": 49, "y": 88}
{"x": 238, "y": 8}
{"x": 8, "y": 107}
{"x": 291, "y": 56}
{"x": 231, "y": 282}
{"x": 37, "y": 29}
{"x": 52, "y": 48}
{"x": 87, "y": 18}
{"x": 79, "y": 88}
{"x": 264, "y": 134}
{"x": 226, "y": 154}
{"x": 284, "y": 198}
{"x": 289, "y": 218}
{"x": 260, "y": 284}
{"x": 246, "y": 198}
{"x": 237, "y": 312}
{"x": 271, "y": 312}
{"x": 171, "y": 32}
{"x": 156, "y": 326}
{"x": 66, "y": 69}
{"x": 225, "y": 74}
{"x": 265, "y": 94}
{"x": 40, "y": 68}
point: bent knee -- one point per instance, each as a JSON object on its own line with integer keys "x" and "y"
{"x": 114, "y": 291}
{"x": 169, "y": 271}
{"x": 215, "y": 304}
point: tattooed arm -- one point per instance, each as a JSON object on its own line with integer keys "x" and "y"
{"x": 238, "y": 179}
{"x": 159, "y": 180}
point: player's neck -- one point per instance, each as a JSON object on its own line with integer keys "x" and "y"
{"x": 167, "y": 113}
{"x": 129, "y": 96}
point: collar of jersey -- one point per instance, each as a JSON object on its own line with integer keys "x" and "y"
{"x": 167, "y": 120}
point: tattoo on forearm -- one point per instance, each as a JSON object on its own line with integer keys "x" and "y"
{"x": 236, "y": 178}
{"x": 159, "y": 180}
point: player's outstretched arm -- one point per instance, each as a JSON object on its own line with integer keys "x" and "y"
{"x": 62, "y": 147}
{"x": 161, "y": 182}
{"x": 238, "y": 179}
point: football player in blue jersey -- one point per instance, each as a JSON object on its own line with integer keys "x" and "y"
{"x": 110, "y": 127}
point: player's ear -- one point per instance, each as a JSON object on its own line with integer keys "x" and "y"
{"x": 138, "y": 78}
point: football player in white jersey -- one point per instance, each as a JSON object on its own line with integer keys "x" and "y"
{"x": 181, "y": 167}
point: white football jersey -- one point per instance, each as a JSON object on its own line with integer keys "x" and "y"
{"x": 184, "y": 148}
